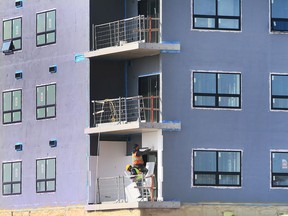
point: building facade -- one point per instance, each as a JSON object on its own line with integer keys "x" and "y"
{"x": 202, "y": 83}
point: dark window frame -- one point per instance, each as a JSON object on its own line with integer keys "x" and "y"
{"x": 12, "y": 182}
{"x": 216, "y": 94}
{"x": 45, "y": 180}
{"x": 218, "y": 173}
{"x": 279, "y": 174}
{"x": 45, "y": 32}
{"x": 216, "y": 17}
{"x": 277, "y": 96}
{"x": 12, "y": 39}
{"x": 46, "y": 106}
{"x": 11, "y": 111}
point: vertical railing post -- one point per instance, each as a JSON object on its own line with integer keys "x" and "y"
{"x": 139, "y": 110}
{"x": 93, "y": 37}
{"x": 98, "y": 191}
{"x": 125, "y": 107}
{"x": 119, "y": 110}
{"x": 94, "y": 113}
{"x": 110, "y": 34}
{"x": 150, "y": 29}
{"x": 118, "y": 33}
{"x": 140, "y": 34}
{"x": 152, "y": 108}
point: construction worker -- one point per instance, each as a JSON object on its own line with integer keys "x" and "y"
{"x": 136, "y": 174}
{"x": 137, "y": 159}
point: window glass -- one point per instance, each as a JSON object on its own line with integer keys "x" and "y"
{"x": 280, "y": 85}
{"x": 228, "y": 23}
{"x": 280, "y": 162}
{"x": 51, "y": 37}
{"x": 40, "y": 22}
{"x": 51, "y": 92}
{"x": 228, "y": 102}
{"x": 16, "y": 188}
{"x": 204, "y": 161}
{"x": 41, "y": 169}
{"x": 17, "y": 100}
{"x": 7, "y": 29}
{"x": 229, "y": 161}
{"x": 7, "y": 189}
{"x": 7, "y": 118}
{"x": 17, "y": 28}
{"x": 207, "y": 7}
{"x": 16, "y": 172}
{"x": 50, "y": 21}
{"x": 50, "y": 185}
{"x": 7, "y": 101}
{"x": 40, "y": 186}
{"x": 41, "y": 96}
{"x": 204, "y": 22}
{"x": 51, "y": 111}
{"x": 7, "y": 172}
{"x": 229, "y": 83}
{"x": 218, "y": 168}
{"x": 228, "y": 7}
{"x": 279, "y": 8}
{"x": 51, "y": 168}
{"x": 40, "y": 39}
{"x": 204, "y": 101}
{"x": 204, "y": 83}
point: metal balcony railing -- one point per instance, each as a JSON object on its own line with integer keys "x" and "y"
{"x": 118, "y": 33}
{"x": 131, "y": 109}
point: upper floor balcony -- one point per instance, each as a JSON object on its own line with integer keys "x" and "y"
{"x": 129, "y": 115}
{"x": 130, "y": 38}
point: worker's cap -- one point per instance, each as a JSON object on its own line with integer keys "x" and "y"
{"x": 135, "y": 146}
{"x": 128, "y": 166}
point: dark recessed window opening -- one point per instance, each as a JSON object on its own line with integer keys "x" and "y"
{"x": 18, "y": 74}
{"x": 53, "y": 143}
{"x": 217, "y": 90}
{"x": 12, "y": 106}
{"x": 18, "y": 146}
{"x": 215, "y": 14}
{"x": 216, "y": 168}
{"x": 12, "y": 178}
{"x": 46, "y": 28}
{"x": 53, "y": 69}
{"x": 18, "y": 3}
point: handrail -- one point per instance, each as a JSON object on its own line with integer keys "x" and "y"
{"x": 120, "y": 32}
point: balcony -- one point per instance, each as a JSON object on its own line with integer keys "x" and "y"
{"x": 130, "y": 38}
{"x": 129, "y": 115}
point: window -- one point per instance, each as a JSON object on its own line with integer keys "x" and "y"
{"x": 46, "y": 101}
{"x": 216, "y": 168}
{"x": 46, "y": 175}
{"x": 279, "y": 92}
{"x": 279, "y": 15}
{"x": 279, "y": 169}
{"x": 12, "y": 106}
{"x": 216, "y": 14}
{"x": 46, "y": 28}
{"x": 11, "y": 178}
{"x": 218, "y": 90}
{"x": 12, "y": 33}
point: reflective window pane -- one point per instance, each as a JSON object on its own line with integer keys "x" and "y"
{"x": 51, "y": 186}
{"x": 204, "y": 22}
{"x": 229, "y": 161}
{"x": 17, "y": 97}
{"x": 204, "y": 161}
{"x": 205, "y": 179}
{"x": 279, "y": 85}
{"x": 40, "y": 186}
{"x": 228, "y": 102}
{"x": 50, "y": 21}
{"x": 41, "y": 39}
{"x": 7, "y": 31}
{"x": 7, "y": 189}
{"x": 51, "y": 94}
{"x": 228, "y": 7}
{"x": 41, "y": 22}
{"x": 229, "y": 83}
{"x": 204, "y": 83}
{"x": 280, "y": 103}
{"x": 279, "y": 8}
{"x": 16, "y": 171}
{"x": 205, "y": 7}
{"x": 204, "y": 101}
{"x": 41, "y": 169}
{"x": 7, "y": 118}
{"x": 16, "y": 188}
{"x": 16, "y": 116}
{"x": 41, "y": 113}
{"x": 41, "y": 96}
{"x": 280, "y": 162}
{"x": 51, "y": 163}
{"x": 280, "y": 180}
{"x": 51, "y": 37}
{"x": 228, "y": 24}
{"x": 7, "y": 101}
{"x": 7, "y": 172}
{"x": 51, "y": 112}
{"x": 229, "y": 180}
{"x": 17, "y": 44}
{"x": 17, "y": 28}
